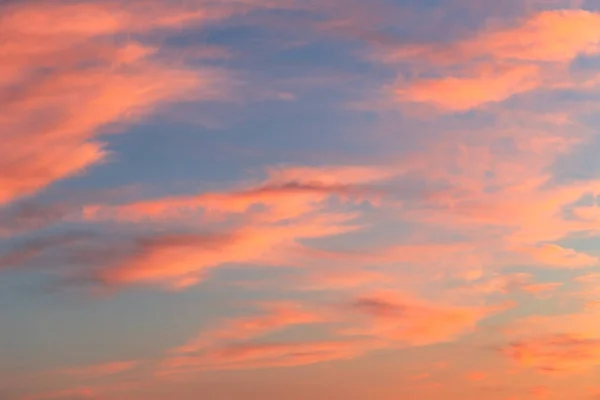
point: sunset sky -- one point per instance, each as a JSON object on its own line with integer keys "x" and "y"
{"x": 299, "y": 199}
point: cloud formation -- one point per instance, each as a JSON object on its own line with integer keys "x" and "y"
{"x": 65, "y": 82}
{"x": 500, "y": 62}
{"x": 406, "y": 321}
{"x": 360, "y": 243}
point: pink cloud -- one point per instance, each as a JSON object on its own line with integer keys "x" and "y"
{"x": 260, "y": 224}
{"x": 286, "y": 193}
{"x": 278, "y": 316}
{"x": 556, "y": 353}
{"x": 487, "y": 85}
{"x": 516, "y": 210}
{"x": 508, "y": 60}
{"x": 372, "y": 322}
{"x": 568, "y": 343}
{"x": 554, "y": 255}
{"x": 233, "y": 343}
{"x": 182, "y": 260}
{"x": 52, "y": 121}
{"x": 266, "y": 355}
{"x": 550, "y": 36}
{"x": 504, "y": 283}
{"x": 542, "y": 288}
{"x": 407, "y": 321}
{"x": 591, "y": 214}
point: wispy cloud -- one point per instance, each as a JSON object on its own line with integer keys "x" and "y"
{"x": 64, "y": 81}
{"x": 431, "y": 223}
{"x": 499, "y": 62}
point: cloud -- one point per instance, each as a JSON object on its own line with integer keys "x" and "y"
{"x": 263, "y": 224}
{"x": 406, "y": 321}
{"x": 554, "y": 255}
{"x": 504, "y": 283}
{"x": 498, "y": 63}
{"x": 591, "y": 213}
{"x": 233, "y": 343}
{"x": 506, "y": 201}
{"x": 278, "y": 316}
{"x": 66, "y": 82}
{"x": 474, "y": 200}
{"x": 370, "y": 322}
{"x": 556, "y": 353}
{"x": 487, "y": 85}
{"x": 568, "y": 343}
{"x": 542, "y": 288}
{"x": 182, "y": 260}
{"x": 549, "y": 36}
{"x": 267, "y": 355}
{"x": 286, "y": 193}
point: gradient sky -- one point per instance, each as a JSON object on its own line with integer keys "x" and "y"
{"x": 299, "y": 199}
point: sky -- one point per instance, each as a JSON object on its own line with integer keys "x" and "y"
{"x": 299, "y": 199}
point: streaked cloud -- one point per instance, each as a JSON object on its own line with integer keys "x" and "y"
{"x": 556, "y": 353}
{"x": 499, "y": 62}
{"x": 406, "y": 321}
{"x": 388, "y": 194}
{"x": 66, "y": 82}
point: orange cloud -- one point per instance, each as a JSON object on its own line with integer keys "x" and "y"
{"x": 233, "y": 345}
{"x": 405, "y": 321}
{"x": 286, "y": 193}
{"x": 591, "y": 214}
{"x": 556, "y": 353}
{"x": 66, "y": 82}
{"x": 261, "y": 224}
{"x": 378, "y": 321}
{"x": 509, "y": 200}
{"x": 515, "y": 59}
{"x": 489, "y": 85}
{"x": 182, "y": 260}
{"x": 549, "y": 36}
{"x": 504, "y": 283}
{"x": 267, "y": 355}
{"x": 554, "y": 255}
{"x": 541, "y": 288}
{"x": 558, "y": 343}
{"x": 278, "y": 316}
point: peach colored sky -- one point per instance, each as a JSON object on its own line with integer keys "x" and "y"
{"x": 299, "y": 199}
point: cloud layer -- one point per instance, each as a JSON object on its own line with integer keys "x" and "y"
{"x": 432, "y": 220}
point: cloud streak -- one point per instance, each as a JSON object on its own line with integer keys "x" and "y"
{"x": 67, "y": 82}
